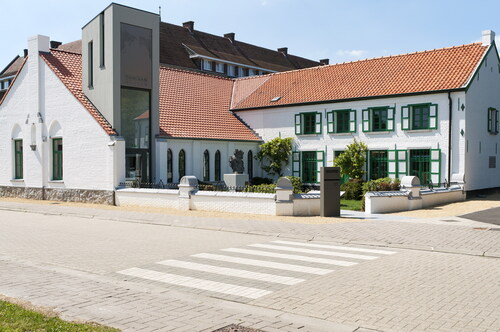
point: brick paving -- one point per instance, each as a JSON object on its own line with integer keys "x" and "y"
{"x": 67, "y": 258}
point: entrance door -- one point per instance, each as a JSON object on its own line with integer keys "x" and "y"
{"x": 309, "y": 167}
{"x": 420, "y": 165}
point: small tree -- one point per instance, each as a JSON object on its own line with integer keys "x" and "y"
{"x": 274, "y": 154}
{"x": 351, "y": 161}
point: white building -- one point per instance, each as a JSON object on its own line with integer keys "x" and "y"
{"x": 74, "y": 125}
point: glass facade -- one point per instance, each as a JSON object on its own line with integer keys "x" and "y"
{"x": 135, "y": 129}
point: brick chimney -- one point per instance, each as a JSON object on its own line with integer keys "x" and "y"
{"x": 283, "y": 50}
{"x": 189, "y": 25}
{"x": 324, "y": 62}
{"x": 230, "y": 36}
{"x": 488, "y": 37}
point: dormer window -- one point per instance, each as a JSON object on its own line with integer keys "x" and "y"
{"x": 219, "y": 67}
{"x": 231, "y": 70}
{"x": 206, "y": 65}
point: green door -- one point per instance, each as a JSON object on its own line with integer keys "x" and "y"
{"x": 420, "y": 165}
{"x": 309, "y": 167}
{"x": 378, "y": 164}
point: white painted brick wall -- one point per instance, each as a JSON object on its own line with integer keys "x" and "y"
{"x": 251, "y": 203}
{"x": 166, "y": 198}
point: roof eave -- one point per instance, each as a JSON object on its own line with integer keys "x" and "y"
{"x": 348, "y": 99}
{"x": 13, "y": 81}
{"x": 468, "y": 83}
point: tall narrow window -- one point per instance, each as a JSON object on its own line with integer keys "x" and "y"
{"x": 206, "y": 166}
{"x": 101, "y": 32}
{"x": 378, "y": 164}
{"x": 91, "y": 64}
{"x": 57, "y": 159}
{"x": 170, "y": 165}
{"x": 182, "y": 164}
{"x": 250, "y": 164}
{"x": 18, "y": 158}
{"x": 217, "y": 166}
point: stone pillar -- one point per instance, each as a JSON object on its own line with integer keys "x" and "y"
{"x": 411, "y": 185}
{"x": 284, "y": 197}
{"x": 187, "y": 186}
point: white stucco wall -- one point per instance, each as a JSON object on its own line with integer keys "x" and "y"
{"x": 484, "y": 92}
{"x": 251, "y": 203}
{"x": 162, "y": 198}
{"x": 194, "y": 156}
{"x": 273, "y": 122}
{"x": 87, "y": 158}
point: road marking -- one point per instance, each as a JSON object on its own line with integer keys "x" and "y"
{"x": 325, "y": 246}
{"x": 213, "y": 286}
{"x": 232, "y": 272}
{"x": 293, "y": 257}
{"x": 316, "y": 252}
{"x": 273, "y": 265}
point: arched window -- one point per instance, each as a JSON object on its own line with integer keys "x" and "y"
{"x": 182, "y": 164}
{"x": 250, "y": 164}
{"x": 170, "y": 166}
{"x": 206, "y": 166}
{"x": 217, "y": 165}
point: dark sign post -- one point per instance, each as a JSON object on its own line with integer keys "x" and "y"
{"x": 330, "y": 192}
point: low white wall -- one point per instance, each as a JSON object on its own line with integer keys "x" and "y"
{"x": 376, "y": 202}
{"x": 252, "y": 203}
{"x": 306, "y": 205}
{"x": 441, "y": 197}
{"x": 147, "y": 197}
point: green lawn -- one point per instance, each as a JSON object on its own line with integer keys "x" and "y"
{"x": 14, "y": 318}
{"x": 349, "y": 204}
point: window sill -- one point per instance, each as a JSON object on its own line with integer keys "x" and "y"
{"x": 17, "y": 180}
{"x": 56, "y": 181}
{"x": 378, "y": 132}
{"x": 307, "y": 135}
{"x": 418, "y": 130}
{"x": 342, "y": 134}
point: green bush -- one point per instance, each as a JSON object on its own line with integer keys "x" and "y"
{"x": 296, "y": 183}
{"x": 261, "y": 188}
{"x": 382, "y": 184}
{"x": 258, "y": 180}
{"x": 353, "y": 190}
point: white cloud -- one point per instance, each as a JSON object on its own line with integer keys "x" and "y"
{"x": 351, "y": 53}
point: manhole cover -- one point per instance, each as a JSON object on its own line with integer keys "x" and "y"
{"x": 236, "y": 328}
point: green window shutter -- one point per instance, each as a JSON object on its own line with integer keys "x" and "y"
{"x": 392, "y": 164}
{"x": 352, "y": 121}
{"x": 366, "y": 120}
{"x": 390, "y": 119}
{"x": 405, "y": 117}
{"x": 402, "y": 158}
{"x": 296, "y": 163}
{"x": 319, "y": 123}
{"x": 496, "y": 122}
{"x": 330, "y": 122}
{"x": 298, "y": 124}
{"x": 436, "y": 166}
{"x": 320, "y": 162}
{"x": 433, "y": 116}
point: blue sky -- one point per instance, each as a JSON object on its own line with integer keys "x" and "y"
{"x": 339, "y": 30}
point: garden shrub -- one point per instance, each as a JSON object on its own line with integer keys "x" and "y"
{"x": 261, "y": 188}
{"x": 296, "y": 183}
{"x": 258, "y": 180}
{"x": 353, "y": 190}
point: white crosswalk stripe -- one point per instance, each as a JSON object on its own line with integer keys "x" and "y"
{"x": 316, "y": 252}
{"x": 232, "y": 272}
{"x": 214, "y": 286}
{"x": 272, "y": 265}
{"x": 274, "y": 261}
{"x": 293, "y": 257}
{"x": 327, "y": 246}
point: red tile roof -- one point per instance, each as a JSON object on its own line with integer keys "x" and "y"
{"x": 68, "y": 67}
{"x": 195, "y": 105}
{"x": 441, "y": 69}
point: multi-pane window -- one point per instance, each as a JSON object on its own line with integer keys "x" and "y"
{"x": 18, "y": 159}
{"x": 170, "y": 166}
{"x": 57, "y": 159}
{"x": 493, "y": 121}
{"x": 231, "y": 70}
{"x": 206, "y": 166}
{"x": 182, "y": 164}
{"x": 419, "y": 116}
{"x": 378, "y": 119}
{"x": 378, "y": 164}
{"x": 217, "y": 166}
{"x": 206, "y": 65}
{"x": 90, "y": 51}
{"x": 307, "y": 165}
{"x": 341, "y": 121}
{"x": 219, "y": 67}
{"x": 308, "y": 123}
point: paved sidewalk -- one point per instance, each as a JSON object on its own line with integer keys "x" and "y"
{"x": 453, "y": 236}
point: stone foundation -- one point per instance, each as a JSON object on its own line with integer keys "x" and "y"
{"x": 60, "y": 194}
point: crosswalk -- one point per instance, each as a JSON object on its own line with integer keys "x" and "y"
{"x": 256, "y": 270}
